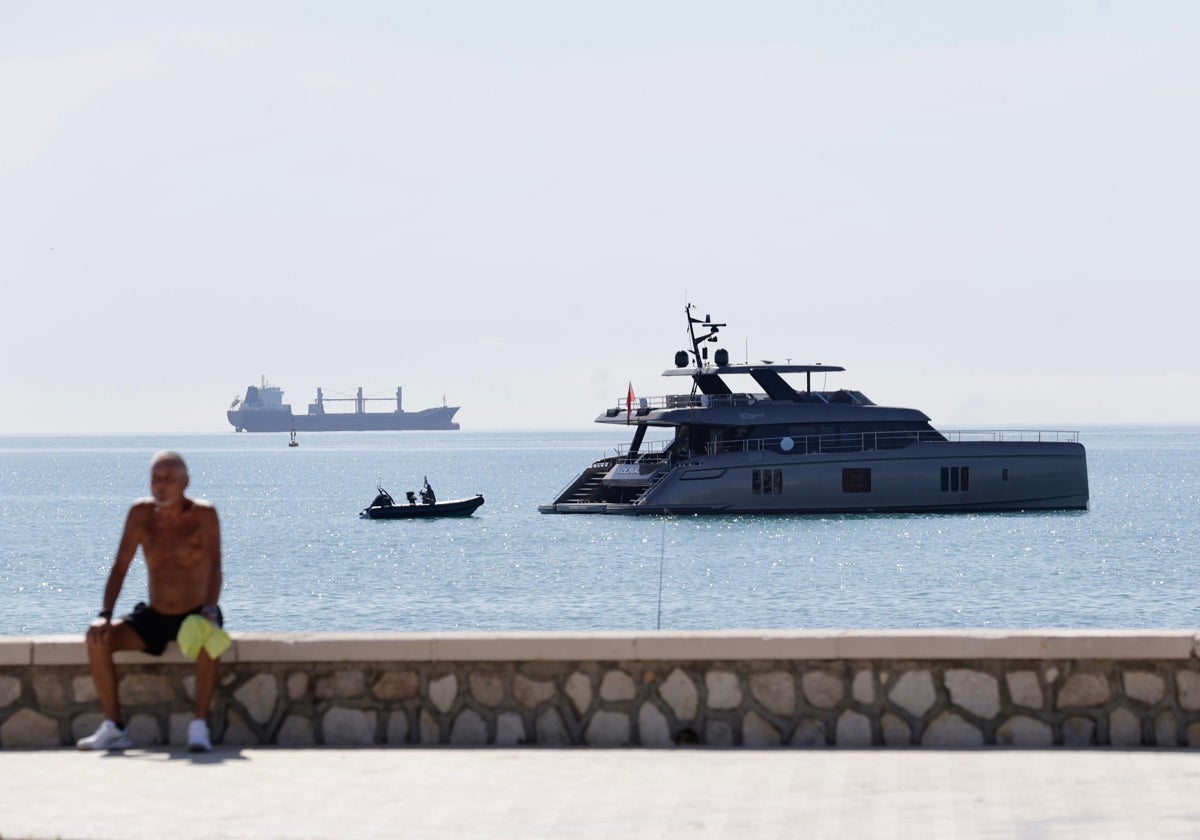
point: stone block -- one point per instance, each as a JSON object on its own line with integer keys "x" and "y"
{"x": 83, "y": 689}
{"x": 808, "y": 733}
{"x": 853, "y": 730}
{"x": 1024, "y": 689}
{"x": 297, "y": 685}
{"x": 914, "y": 692}
{"x": 341, "y": 727}
{"x": 341, "y": 685}
{"x": 177, "y": 725}
{"x": 1079, "y": 732}
{"x": 27, "y": 729}
{"x": 1144, "y": 687}
{"x": 10, "y": 690}
{"x": 238, "y": 732}
{"x": 49, "y": 691}
{"x": 579, "y": 689}
{"x": 396, "y": 685}
{"x": 653, "y": 728}
{"x": 862, "y": 688}
{"x": 758, "y": 732}
{"x": 85, "y": 724}
{"x": 443, "y": 691}
{"x": 1187, "y": 686}
{"x": 550, "y": 729}
{"x": 1024, "y": 731}
{"x": 948, "y": 730}
{"x": 723, "y": 689}
{"x": 1166, "y": 729}
{"x": 718, "y": 733}
{"x": 510, "y": 730}
{"x": 429, "y": 734}
{"x": 468, "y": 730}
{"x": 975, "y": 691}
{"x": 258, "y": 695}
{"x": 1124, "y": 729}
{"x": 397, "y": 727}
{"x": 822, "y": 689}
{"x": 776, "y": 691}
{"x": 297, "y": 731}
{"x": 531, "y": 693}
{"x": 896, "y": 733}
{"x": 145, "y": 690}
{"x": 679, "y": 692}
{"x": 1193, "y": 735}
{"x": 144, "y": 730}
{"x": 1084, "y": 689}
{"x": 617, "y": 686}
{"x": 189, "y": 687}
{"x": 608, "y": 729}
{"x": 487, "y": 689}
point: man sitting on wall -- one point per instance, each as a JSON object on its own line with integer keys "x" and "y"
{"x": 180, "y": 540}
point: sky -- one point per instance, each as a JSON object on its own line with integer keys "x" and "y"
{"x": 986, "y": 211}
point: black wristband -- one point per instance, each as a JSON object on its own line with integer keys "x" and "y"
{"x": 105, "y": 614}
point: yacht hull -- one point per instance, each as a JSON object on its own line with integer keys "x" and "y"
{"x": 934, "y": 477}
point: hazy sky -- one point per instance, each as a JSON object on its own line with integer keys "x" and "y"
{"x": 990, "y": 212}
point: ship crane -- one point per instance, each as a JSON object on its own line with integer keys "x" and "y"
{"x": 359, "y": 401}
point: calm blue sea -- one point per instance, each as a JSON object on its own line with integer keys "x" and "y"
{"x": 297, "y": 557}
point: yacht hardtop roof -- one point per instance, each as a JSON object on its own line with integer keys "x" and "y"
{"x": 767, "y": 375}
{"x": 750, "y": 369}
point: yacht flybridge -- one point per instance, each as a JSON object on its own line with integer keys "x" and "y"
{"x": 785, "y": 449}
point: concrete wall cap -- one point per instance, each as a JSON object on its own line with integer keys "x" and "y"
{"x": 16, "y": 651}
{"x": 666, "y": 645}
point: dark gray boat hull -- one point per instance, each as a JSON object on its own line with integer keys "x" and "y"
{"x": 454, "y": 507}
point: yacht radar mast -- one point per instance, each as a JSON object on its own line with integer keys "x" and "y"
{"x": 699, "y": 354}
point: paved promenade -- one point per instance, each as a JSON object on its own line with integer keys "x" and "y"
{"x": 592, "y": 793}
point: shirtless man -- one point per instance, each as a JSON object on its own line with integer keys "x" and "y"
{"x": 180, "y": 540}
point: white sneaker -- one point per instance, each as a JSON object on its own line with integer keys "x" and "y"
{"x": 198, "y": 736}
{"x": 108, "y": 736}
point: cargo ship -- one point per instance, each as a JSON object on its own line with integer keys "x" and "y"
{"x": 263, "y": 410}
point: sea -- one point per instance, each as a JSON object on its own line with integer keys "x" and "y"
{"x": 297, "y": 556}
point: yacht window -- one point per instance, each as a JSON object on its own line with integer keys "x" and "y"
{"x": 856, "y": 480}
{"x": 766, "y": 482}
{"x": 956, "y": 479}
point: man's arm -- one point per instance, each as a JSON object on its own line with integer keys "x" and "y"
{"x": 131, "y": 538}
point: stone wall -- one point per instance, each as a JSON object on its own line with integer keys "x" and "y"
{"x": 723, "y": 689}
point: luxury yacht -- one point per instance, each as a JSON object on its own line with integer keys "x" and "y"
{"x": 785, "y": 449}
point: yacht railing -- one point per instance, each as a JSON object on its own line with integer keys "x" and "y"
{"x": 650, "y": 452}
{"x": 643, "y": 405}
{"x": 1014, "y": 435}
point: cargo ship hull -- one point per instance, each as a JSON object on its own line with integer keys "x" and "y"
{"x": 430, "y": 419}
{"x": 263, "y": 410}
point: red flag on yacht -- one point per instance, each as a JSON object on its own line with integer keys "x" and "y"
{"x": 629, "y": 405}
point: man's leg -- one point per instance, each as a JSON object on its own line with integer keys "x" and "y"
{"x": 206, "y": 683}
{"x": 100, "y": 648}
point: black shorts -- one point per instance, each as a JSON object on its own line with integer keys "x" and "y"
{"x": 158, "y": 630}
